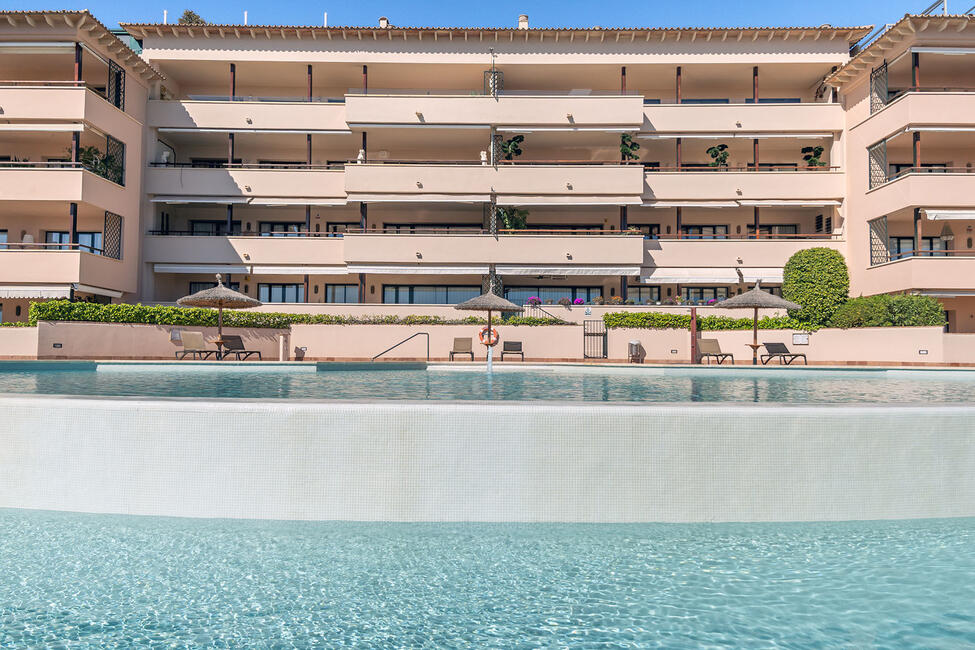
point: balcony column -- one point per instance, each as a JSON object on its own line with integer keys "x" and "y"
{"x": 230, "y": 149}
{"x": 623, "y": 80}
{"x": 308, "y": 219}
{"x": 917, "y": 231}
{"x": 678, "y": 92}
{"x": 73, "y": 230}
{"x": 75, "y": 146}
{"x": 230, "y": 219}
{"x": 306, "y": 287}
{"x": 623, "y": 217}
{"x": 309, "y": 83}
{"x": 78, "y": 72}
{"x": 365, "y": 147}
{"x": 363, "y": 214}
{"x": 679, "y": 154}
{"x": 365, "y": 80}
{"x": 755, "y": 84}
{"x": 362, "y": 287}
{"x": 308, "y": 147}
{"x": 755, "y": 153}
{"x": 915, "y": 70}
{"x": 678, "y": 223}
{"x": 233, "y": 81}
{"x": 757, "y": 222}
{"x": 624, "y": 287}
{"x": 916, "y": 149}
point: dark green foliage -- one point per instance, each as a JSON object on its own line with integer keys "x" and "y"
{"x": 661, "y": 321}
{"x": 812, "y": 155}
{"x": 889, "y": 311}
{"x": 190, "y": 17}
{"x": 719, "y": 155}
{"x": 63, "y": 310}
{"x": 510, "y": 148}
{"x": 512, "y": 218}
{"x": 817, "y": 279}
{"x": 103, "y": 164}
{"x": 628, "y": 147}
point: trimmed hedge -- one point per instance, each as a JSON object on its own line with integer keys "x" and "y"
{"x": 818, "y": 280}
{"x": 664, "y": 321}
{"x": 889, "y": 311}
{"x": 64, "y": 310}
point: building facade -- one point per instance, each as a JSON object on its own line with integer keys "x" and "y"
{"x": 337, "y": 165}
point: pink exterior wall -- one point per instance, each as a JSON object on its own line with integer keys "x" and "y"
{"x": 18, "y": 342}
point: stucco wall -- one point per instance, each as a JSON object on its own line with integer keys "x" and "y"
{"x": 18, "y": 342}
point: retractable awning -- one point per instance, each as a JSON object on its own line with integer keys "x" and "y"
{"x": 299, "y": 270}
{"x": 52, "y": 128}
{"x": 527, "y": 200}
{"x": 414, "y": 269}
{"x": 690, "y": 204}
{"x": 177, "y": 200}
{"x": 271, "y": 203}
{"x": 419, "y": 198}
{"x": 565, "y": 269}
{"x": 200, "y": 268}
{"x": 35, "y": 291}
{"x": 939, "y": 215}
{"x": 709, "y": 275}
{"x": 277, "y": 131}
{"x": 98, "y": 291}
{"x": 731, "y": 135}
{"x": 791, "y": 203}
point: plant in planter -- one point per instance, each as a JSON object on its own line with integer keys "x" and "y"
{"x": 512, "y": 218}
{"x": 812, "y": 156}
{"x": 578, "y": 301}
{"x": 616, "y": 300}
{"x": 629, "y": 301}
{"x": 719, "y": 155}
{"x": 510, "y": 148}
{"x": 533, "y": 301}
{"x": 628, "y": 147}
{"x": 565, "y": 302}
{"x": 598, "y": 300}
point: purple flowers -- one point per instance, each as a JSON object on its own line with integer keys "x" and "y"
{"x": 578, "y": 301}
{"x": 534, "y": 301}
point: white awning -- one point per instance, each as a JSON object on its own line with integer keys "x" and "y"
{"x": 566, "y": 269}
{"x": 200, "y": 268}
{"x": 530, "y": 129}
{"x": 941, "y": 129}
{"x": 98, "y": 291}
{"x": 299, "y": 270}
{"x": 796, "y": 203}
{"x": 530, "y": 200}
{"x": 177, "y": 200}
{"x": 36, "y": 47}
{"x": 939, "y": 215}
{"x": 35, "y": 127}
{"x": 709, "y": 275}
{"x": 690, "y": 204}
{"x": 951, "y": 51}
{"x": 419, "y": 198}
{"x": 278, "y": 131}
{"x": 947, "y": 293}
{"x": 730, "y": 134}
{"x": 392, "y": 269}
{"x": 35, "y": 291}
{"x": 291, "y": 202}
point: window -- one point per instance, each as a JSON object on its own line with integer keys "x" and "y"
{"x": 211, "y": 162}
{"x": 704, "y": 232}
{"x": 281, "y": 292}
{"x": 774, "y": 100}
{"x": 705, "y": 101}
{"x": 643, "y": 295}
{"x": 648, "y": 100}
{"x": 200, "y": 286}
{"x": 410, "y": 228}
{"x": 701, "y": 295}
{"x": 213, "y": 228}
{"x": 551, "y": 295}
{"x": 414, "y": 294}
{"x": 281, "y": 229}
{"x": 781, "y": 230}
{"x": 341, "y": 293}
{"x": 563, "y": 226}
{"x": 649, "y": 230}
{"x": 776, "y": 167}
{"x": 901, "y": 247}
{"x": 3, "y": 239}
{"x": 87, "y": 241}
{"x": 338, "y": 229}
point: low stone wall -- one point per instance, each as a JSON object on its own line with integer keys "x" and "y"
{"x": 18, "y": 342}
{"x": 77, "y": 340}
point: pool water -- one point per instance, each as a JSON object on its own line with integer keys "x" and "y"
{"x": 560, "y": 383}
{"x": 106, "y": 580}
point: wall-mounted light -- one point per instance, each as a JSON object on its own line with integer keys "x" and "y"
{"x": 248, "y": 120}
{"x": 568, "y": 186}
{"x": 419, "y": 255}
{"x": 247, "y": 256}
{"x": 419, "y": 184}
{"x": 568, "y": 256}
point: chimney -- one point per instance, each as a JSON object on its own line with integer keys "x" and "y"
{"x": 383, "y": 22}
{"x": 325, "y": 19}
{"x": 523, "y": 21}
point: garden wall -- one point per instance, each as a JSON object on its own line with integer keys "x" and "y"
{"x": 18, "y": 342}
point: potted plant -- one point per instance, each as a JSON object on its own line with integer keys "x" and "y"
{"x": 616, "y": 300}
{"x": 598, "y": 300}
{"x": 578, "y": 301}
{"x": 628, "y": 148}
{"x": 719, "y": 155}
{"x": 533, "y": 301}
{"x": 565, "y": 302}
{"x": 512, "y": 218}
{"x": 510, "y": 148}
{"x": 812, "y": 156}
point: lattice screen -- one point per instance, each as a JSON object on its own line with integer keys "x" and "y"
{"x": 493, "y": 82}
{"x": 114, "y": 160}
{"x": 878, "y": 88}
{"x": 877, "y": 161}
{"x": 879, "y": 242}
{"x": 112, "y": 236}
{"x": 116, "y": 85}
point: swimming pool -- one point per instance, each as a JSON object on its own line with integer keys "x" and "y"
{"x": 571, "y": 383}
{"x": 96, "y": 580}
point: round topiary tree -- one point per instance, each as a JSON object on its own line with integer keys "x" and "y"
{"x": 817, "y": 279}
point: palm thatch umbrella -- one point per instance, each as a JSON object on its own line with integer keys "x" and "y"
{"x": 489, "y": 302}
{"x": 756, "y": 299}
{"x": 221, "y": 298}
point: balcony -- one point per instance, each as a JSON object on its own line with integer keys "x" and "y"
{"x": 762, "y": 252}
{"x": 724, "y": 184}
{"x": 59, "y": 101}
{"x": 243, "y": 181}
{"x": 944, "y": 108}
{"x": 951, "y": 272}
{"x": 248, "y": 115}
{"x": 587, "y": 253}
{"x": 258, "y": 255}
{"x": 35, "y": 266}
{"x": 746, "y": 118}
{"x": 513, "y": 184}
{"x": 567, "y": 112}
{"x": 922, "y": 187}
{"x": 67, "y": 182}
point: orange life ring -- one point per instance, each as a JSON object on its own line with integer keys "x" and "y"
{"x": 488, "y": 336}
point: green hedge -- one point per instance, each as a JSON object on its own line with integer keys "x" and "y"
{"x": 818, "y": 280}
{"x": 889, "y": 311}
{"x": 662, "y": 321}
{"x": 64, "y": 310}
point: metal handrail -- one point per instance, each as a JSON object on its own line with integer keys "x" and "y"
{"x": 426, "y": 334}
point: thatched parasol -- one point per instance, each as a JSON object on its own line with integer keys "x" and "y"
{"x": 756, "y": 299}
{"x": 489, "y": 302}
{"x": 221, "y": 298}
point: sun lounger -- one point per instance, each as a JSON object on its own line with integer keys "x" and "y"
{"x": 195, "y": 346}
{"x": 234, "y": 345}
{"x": 711, "y": 349}
{"x": 512, "y": 348}
{"x": 781, "y": 352}
{"x": 462, "y": 347}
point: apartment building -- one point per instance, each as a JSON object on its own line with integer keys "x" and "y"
{"x": 393, "y": 165}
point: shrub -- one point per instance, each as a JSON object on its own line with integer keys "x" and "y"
{"x": 661, "y": 321}
{"x": 868, "y": 311}
{"x": 889, "y": 311}
{"x": 916, "y": 311}
{"x": 818, "y": 280}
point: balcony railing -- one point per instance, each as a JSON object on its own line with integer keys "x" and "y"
{"x": 40, "y": 164}
{"x": 748, "y": 167}
{"x": 894, "y": 94}
{"x": 12, "y": 246}
{"x": 930, "y": 170}
{"x": 268, "y": 99}
{"x": 226, "y": 165}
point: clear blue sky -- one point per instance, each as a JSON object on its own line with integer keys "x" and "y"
{"x": 504, "y": 13}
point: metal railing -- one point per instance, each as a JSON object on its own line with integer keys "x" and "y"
{"x": 295, "y": 99}
{"x": 930, "y": 170}
{"x": 748, "y": 167}
{"x": 40, "y": 164}
{"x": 46, "y": 246}
{"x": 426, "y": 334}
{"x": 334, "y": 165}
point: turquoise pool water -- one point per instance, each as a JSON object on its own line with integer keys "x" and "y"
{"x": 113, "y": 581}
{"x": 561, "y": 383}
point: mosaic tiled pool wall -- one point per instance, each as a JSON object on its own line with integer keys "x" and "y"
{"x": 486, "y": 462}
